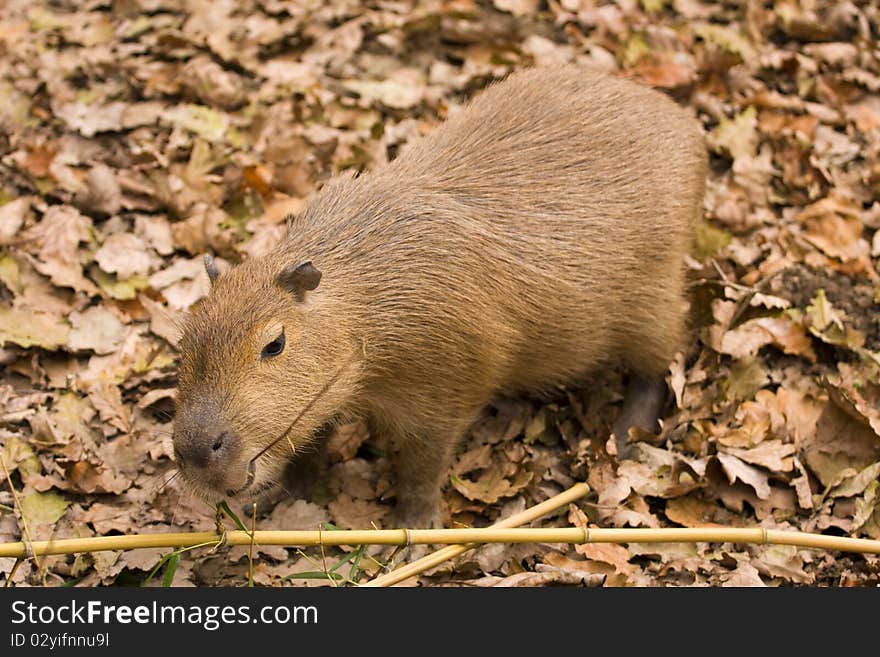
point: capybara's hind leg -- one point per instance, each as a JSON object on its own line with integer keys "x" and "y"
{"x": 645, "y": 397}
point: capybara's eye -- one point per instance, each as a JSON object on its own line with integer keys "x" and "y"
{"x": 274, "y": 348}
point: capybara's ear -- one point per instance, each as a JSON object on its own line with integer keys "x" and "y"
{"x": 211, "y": 267}
{"x": 299, "y": 279}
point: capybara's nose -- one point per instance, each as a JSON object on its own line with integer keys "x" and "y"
{"x": 205, "y": 450}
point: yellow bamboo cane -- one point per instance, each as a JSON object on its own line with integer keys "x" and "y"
{"x": 460, "y": 537}
{"x": 457, "y": 540}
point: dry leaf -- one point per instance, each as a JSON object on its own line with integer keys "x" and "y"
{"x": 349, "y": 513}
{"x": 745, "y": 340}
{"x": 491, "y": 485}
{"x": 96, "y": 329}
{"x": 735, "y": 469}
{"x": 346, "y": 440}
{"x": 738, "y": 136}
{"x": 102, "y": 194}
{"x": 744, "y": 575}
{"x": 517, "y": 7}
{"x": 125, "y": 255}
{"x": 293, "y": 515}
{"x": 771, "y": 454}
{"x": 55, "y": 241}
{"x": 692, "y": 512}
{"x": 28, "y": 328}
{"x": 12, "y": 218}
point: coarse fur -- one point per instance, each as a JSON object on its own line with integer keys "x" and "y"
{"x": 535, "y": 236}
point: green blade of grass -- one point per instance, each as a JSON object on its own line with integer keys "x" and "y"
{"x": 351, "y": 555}
{"x": 72, "y": 582}
{"x": 225, "y": 508}
{"x": 355, "y": 564}
{"x": 157, "y": 567}
{"x": 170, "y": 569}
{"x": 176, "y": 556}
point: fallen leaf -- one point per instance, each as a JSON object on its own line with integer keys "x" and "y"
{"x": 856, "y": 484}
{"x": 43, "y": 508}
{"x": 86, "y": 477}
{"x": 840, "y": 447}
{"x": 55, "y": 241}
{"x": 102, "y": 194}
{"x": 801, "y": 485}
{"x": 212, "y": 84}
{"x": 355, "y": 477}
{"x": 651, "y": 482}
{"x": 774, "y": 455}
{"x": 106, "y": 518}
{"x": 183, "y": 283}
{"x": 865, "y": 114}
{"x": 107, "y": 400}
{"x": 692, "y": 512}
{"x": 738, "y": 136}
{"x": 403, "y": 94}
{"x": 346, "y": 440}
{"x": 125, "y": 255}
{"x": 853, "y": 391}
{"x": 29, "y": 328}
{"x": 517, "y": 7}
{"x": 548, "y": 576}
{"x": 728, "y": 39}
{"x": 123, "y": 290}
{"x": 96, "y": 329}
{"x": 17, "y": 454}
{"x": 291, "y": 515}
{"x": 866, "y": 505}
{"x": 156, "y": 232}
{"x": 200, "y": 120}
{"x": 735, "y": 469}
{"x": 349, "y": 513}
{"x": 825, "y": 322}
{"x": 599, "y": 572}
{"x": 204, "y": 230}
{"x": 478, "y": 458}
{"x": 744, "y": 575}
{"x": 90, "y": 120}
{"x": 745, "y": 340}
{"x": 666, "y": 72}
{"x": 164, "y": 321}
{"x": 12, "y": 217}
{"x": 677, "y": 378}
{"x": 491, "y": 486}
{"x": 782, "y": 561}
{"x": 747, "y": 376}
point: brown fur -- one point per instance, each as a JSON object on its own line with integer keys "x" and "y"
{"x": 533, "y": 237}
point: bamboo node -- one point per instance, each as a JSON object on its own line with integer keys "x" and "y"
{"x": 29, "y": 552}
{"x": 409, "y": 538}
{"x": 765, "y": 537}
{"x": 586, "y": 537}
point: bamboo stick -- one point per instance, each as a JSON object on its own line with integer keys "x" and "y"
{"x": 450, "y": 552}
{"x": 457, "y": 537}
{"x": 284, "y": 538}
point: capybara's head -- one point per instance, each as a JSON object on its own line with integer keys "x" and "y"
{"x": 261, "y": 371}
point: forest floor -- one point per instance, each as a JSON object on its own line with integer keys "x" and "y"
{"x": 138, "y": 135}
